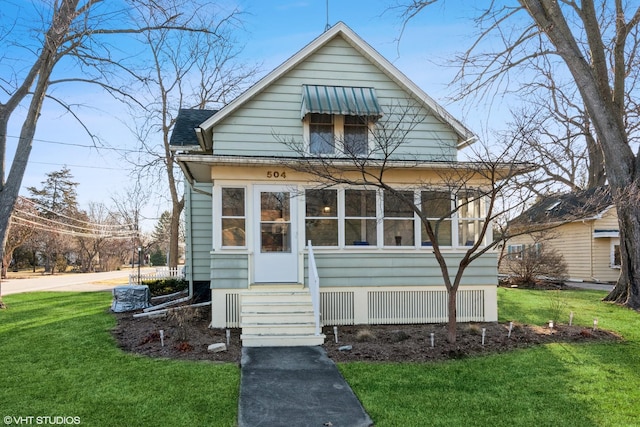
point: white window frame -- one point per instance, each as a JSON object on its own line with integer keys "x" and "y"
{"x": 454, "y": 219}
{"x": 612, "y": 261}
{"x": 217, "y": 229}
{"x": 338, "y": 135}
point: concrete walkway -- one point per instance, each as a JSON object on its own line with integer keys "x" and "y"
{"x": 590, "y": 285}
{"x": 295, "y": 386}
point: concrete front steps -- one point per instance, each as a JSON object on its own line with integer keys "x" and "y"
{"x": 278, "y": 316}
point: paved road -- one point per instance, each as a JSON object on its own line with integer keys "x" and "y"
{"x": 80, "y": 282}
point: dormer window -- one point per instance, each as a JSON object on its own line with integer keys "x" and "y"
{"x": 338, "y": 119}
{"x": 321, "y": 134}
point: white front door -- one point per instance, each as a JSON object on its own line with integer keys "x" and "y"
{"x": 276, "y": 251}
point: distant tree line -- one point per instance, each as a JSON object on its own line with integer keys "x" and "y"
{"x": 48, "y": 229}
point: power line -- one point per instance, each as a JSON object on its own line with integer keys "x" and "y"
{"x": 75, "y": 144}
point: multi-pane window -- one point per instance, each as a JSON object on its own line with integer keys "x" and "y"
{"x": 471, "y": 212}
{"x": 321, "y": 219}
{"x": 233, "y": 217}
{"x": 360, "y": 223}
{"x": 515, "y": 252}
{"x": 321, "y": 136}
{"x": 331, "y": 134}
{"x": 436, "y": 206}
{"x": 355, "y": 135}
{"x": 399, "y": 221}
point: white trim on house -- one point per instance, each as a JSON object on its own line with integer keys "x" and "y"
{"x": 465, "y": 136}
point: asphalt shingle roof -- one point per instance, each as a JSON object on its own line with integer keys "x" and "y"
{"x": 567, "y": 207}
{"x": 188, "y": 119}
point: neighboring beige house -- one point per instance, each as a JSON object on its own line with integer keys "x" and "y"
{"x": 584, "y": 229}
{"x": 250, "y": 215}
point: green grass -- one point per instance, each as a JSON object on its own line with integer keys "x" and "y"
{"x": 582, "y": 385}
{"x": 59, "y": 359}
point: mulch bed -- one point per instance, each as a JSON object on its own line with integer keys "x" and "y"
{"x": 186, "y": 335}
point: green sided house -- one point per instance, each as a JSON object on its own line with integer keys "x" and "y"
{"x": 284, "y": 253}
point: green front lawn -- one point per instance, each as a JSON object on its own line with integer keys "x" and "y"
{"x": 59, "y": 359}
{"x": 553, "y": 385}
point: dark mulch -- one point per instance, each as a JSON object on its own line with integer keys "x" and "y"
{"x": 187, "y": 336}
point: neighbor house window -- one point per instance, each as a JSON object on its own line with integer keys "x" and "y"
{"x": 233, "y": 217}
{"x": 321, "y": 219}
{"x": 515, "y": 252}
{"x": 436, "y": 206}
{"x": 399, "y": 220}
{"x": 616, "y": 259}
{"x": 471, "y": 211}
{"x": 360, "y": 223}
{"x": 321, "y": 134}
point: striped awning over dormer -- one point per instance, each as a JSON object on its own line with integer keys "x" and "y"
{"x": 340, "y": 100}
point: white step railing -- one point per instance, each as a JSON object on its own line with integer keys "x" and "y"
{"x": 314, "y": 288}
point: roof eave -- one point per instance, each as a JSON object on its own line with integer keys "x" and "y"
{"x": 465, "y": 136}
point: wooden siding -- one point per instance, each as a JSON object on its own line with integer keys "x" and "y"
{"x": 229, "y": 271}
{"x": 587, "y": 258}
{"x": 602, "y": 270}
{"x": 400, "y": 269}
{"x": 198, "y": 232}
{"x": 275, "y": 112}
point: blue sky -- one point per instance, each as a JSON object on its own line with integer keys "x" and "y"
{"x": 275, "y": 30}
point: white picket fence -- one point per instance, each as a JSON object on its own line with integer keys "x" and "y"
{"x": 160, "y": 273}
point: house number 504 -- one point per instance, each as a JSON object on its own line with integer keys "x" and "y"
{"x": 276, "y": 174}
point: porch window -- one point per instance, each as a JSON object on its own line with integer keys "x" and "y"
{"x": 321, "y": 134}
{"x": 233, "y": 217}
{"x": 399, "y": 220}
{"x": 471, "y": 211}
{"x": 321, "y": 219}
{"x": 360, "y": 223}
{"x": 436, "y": 206}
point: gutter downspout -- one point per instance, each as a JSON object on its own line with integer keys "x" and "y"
{"x": 190, "y": 260}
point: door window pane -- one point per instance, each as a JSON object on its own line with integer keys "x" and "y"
{"x": 275, "y": 226}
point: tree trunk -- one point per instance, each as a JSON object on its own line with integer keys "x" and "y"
{"x": 176, "y": 211}
{"x": 605, "y": 110}
{"x": 627, "y": 289}
{"x": 452, "y": 323}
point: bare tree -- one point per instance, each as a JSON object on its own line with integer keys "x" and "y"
{"x": 84, "y": 36}
{"x": 471, "y": 191}
{"x": 601, "y": 57}
{"x": 188, "y": 70}
{"x": 19, "y": 233}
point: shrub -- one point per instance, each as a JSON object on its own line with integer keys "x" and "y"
{"x": 536, "y": 264}
{"x": 158, "y": 258}
{"x": 165, "y": 286}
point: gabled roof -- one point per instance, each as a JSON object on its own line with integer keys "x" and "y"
{"x": 579, "y": 206}
{"x": 465, "y": 136}
{"x": 184, "y": 131}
